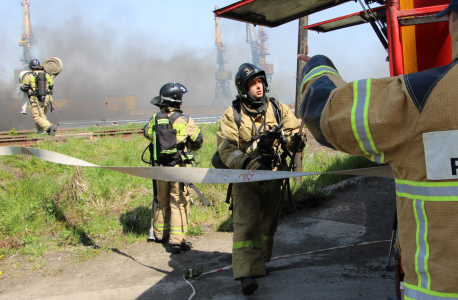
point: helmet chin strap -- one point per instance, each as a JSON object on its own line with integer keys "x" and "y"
{"x": 257, "y": 104}
{"x": 256, "y": 100}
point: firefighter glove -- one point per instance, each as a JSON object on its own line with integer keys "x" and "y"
{"x": 297, "y": 142}
{"x": 265, "y": 144}
{"x": 251, "y": 164}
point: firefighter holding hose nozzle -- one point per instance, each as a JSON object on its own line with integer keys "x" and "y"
{"x": 251, "y": 136}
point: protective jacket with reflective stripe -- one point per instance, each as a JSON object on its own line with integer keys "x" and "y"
{"x": 30, "y": 80}
{"x": 385, "y": 120}
{"x": 188, "y": 134}
{"x": 231, "y": 139}
{"x": 171, "y": 210}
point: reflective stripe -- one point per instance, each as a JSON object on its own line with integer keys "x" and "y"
{"x": 243, "y": 244}
{"x": 169, "y": 151}
{"x": 422, "y": 253}
{"x": 181, "y": 131}
{"x": 150, "y": 126}
{"x": 420, "y": 192}
{"x": 163, "y": 121}
{"x": 153, "y": 134}
{"x": 427, "y": 191}
{"x": 360, "y": 119}
{"x": 179, "y": 230}
{"x": 317, "y": 72}
{"x": 418, "y": 293}
{"x": 161, "y": 227}
{"x": 176, "y": 232}
{"x": 378, "y": 157}
{"x": 195, "y": 134}
{"x": 267, "y": 238}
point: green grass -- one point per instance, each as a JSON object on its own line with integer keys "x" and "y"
{"x": 309, "y": 192}
{"x": 51, "y": 206}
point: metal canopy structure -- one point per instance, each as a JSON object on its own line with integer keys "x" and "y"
{"x": 348, "y": 21}
{"x": 401, "y": 25}
{"x": 273, "y": 13}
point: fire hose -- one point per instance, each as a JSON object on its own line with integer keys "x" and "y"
{"x": 282, "y": 257}
{"x": 200, "y": 175}
{"x": 195, "y": 175}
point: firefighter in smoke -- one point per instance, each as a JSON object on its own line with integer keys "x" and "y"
{"x": 410, "y": 122}
{"x": 39, "y": 86}
{"x": 251, "y": 135}
{"x": 172, "y": 135}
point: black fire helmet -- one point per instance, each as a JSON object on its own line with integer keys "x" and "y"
{"x": 34, "y": 64}
{"x": 170, "y": 95}
{"x": 246, "y": 72}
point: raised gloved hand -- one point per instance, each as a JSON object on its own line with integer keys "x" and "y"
{"x": 297, "y": 142}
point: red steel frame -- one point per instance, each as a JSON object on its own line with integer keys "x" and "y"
{"x": 394, "y": 31}
{"x": 233, "y": 6}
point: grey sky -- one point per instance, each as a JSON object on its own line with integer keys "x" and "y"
{"x": 153, "y": 42}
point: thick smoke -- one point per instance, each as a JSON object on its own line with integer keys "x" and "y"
{"x": 101, "y": 60}
{"x": 98, "y": 62}
{"x": 10, "y": 108}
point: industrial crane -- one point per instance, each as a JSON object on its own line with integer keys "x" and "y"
{"x": 26, "y": 40}
{"x": 223, "y": 96}
{"x": 259, "y": 53}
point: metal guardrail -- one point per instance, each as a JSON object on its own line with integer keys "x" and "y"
{"x": 24, "y": 138}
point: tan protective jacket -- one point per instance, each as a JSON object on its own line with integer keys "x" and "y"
{"x": 231, "y": 140}
{"x": 188, "y": 134}
{"x": 171, "y": 211}
{"x": 187, "y": 130}
{"x": 386, "y": 120}
{"x": 30, "y": 80}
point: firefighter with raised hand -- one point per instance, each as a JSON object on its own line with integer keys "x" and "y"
{"x": 251, "y": 135}
{"x": 410, "y": 122}
{"x": 172, "y": 135}
{"x": 39, "y": 86}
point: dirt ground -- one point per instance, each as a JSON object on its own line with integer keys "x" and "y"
{"x": 359, "y": 211}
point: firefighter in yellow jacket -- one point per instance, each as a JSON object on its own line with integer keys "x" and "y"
{"x": 39, "y": 86}
{"x": 251, "y": 136}
{"x": 172, "y": 135}
{"x": 409, "y": 121}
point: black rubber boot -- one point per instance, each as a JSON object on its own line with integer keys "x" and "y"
{"x": 186, "y": 246}
{"x": 51, "y": 130}
{"x": 176, "y": 249}
{"x": 249, "y": 285}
